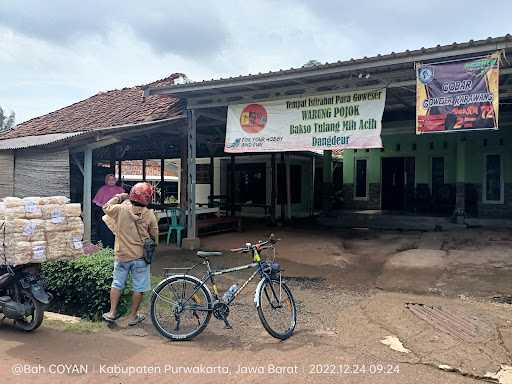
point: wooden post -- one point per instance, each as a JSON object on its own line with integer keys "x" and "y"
{"x": 327, "y": 181}
{"x": 113, "y": 160}
{"x": 144, "y": 170}
{"x": 120, "y": 172}
{"x": 232, "y": 185}
{"x": 288, "y": 190}
{"x": 273, "y": 189}
{"x": 162, "y": 181}
{"x": 192, "y": 241}
{"x": 313, "y": 166}
{"x": 87, "y": 203}
{"x": 283, "y": 193}
{"x": 212, "y": 178}
{"x": 183, "y": 173}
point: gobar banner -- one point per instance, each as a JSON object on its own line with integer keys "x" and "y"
{"x": 310, "y": 123}
{"x": 460, "y": 95}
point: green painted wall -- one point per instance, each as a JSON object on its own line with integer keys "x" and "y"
{"x": 434, "y": 145}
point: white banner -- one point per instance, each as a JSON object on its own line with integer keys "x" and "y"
{"x": 310, "y": 123}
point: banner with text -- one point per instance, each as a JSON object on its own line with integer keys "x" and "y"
{"x": 458, "y": 96}
{"x": 310, "y": 123}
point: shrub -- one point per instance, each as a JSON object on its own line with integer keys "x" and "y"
{"x": 81, "y": 287}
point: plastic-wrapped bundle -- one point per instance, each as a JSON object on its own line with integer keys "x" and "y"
{"x": 57, "y": 245}
{"x": 17, "y": 237}
{"x": 39, "y": 251}
{"x": 76, "y": 225}
{"x": 73, "y": 210}
{"x": 60, "y": 226}
{"x": 54, "y": 212}
{"x": 58, "y": 200}
{"x": 15, "y": 225}
{"x": 55, "y": 252}
{"x": 11, "y": 202}
{"x": 75, "y": 245}
{"x": 34, "y": 230}
{"x": 18, "y": 253}
{"x": 25, "y": 230}
{"x": 12, "y": 213}
{"x": 33, "y": 207}
{"x": 36, "y": 200}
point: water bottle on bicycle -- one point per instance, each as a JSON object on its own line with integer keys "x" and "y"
{"x": 230, "y": 293}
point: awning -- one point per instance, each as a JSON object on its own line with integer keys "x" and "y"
{"x": 36, "y": 141}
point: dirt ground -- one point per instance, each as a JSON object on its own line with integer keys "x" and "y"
{"x": 351, "y": 289}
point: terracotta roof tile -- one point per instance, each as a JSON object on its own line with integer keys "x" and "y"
{"x": 103, "y": 110}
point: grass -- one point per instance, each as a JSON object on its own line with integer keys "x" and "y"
{"x": 86, "y": 326}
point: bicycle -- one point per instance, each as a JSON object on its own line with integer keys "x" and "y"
{"x": 182, "y": 304}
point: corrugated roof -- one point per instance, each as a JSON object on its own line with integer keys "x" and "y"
{"x": 105, "y": 109}
{"x": 34, "y": 141}
{"x": 339, "y": 64}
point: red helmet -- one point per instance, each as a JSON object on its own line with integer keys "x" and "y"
{"x": 142, "y": 193}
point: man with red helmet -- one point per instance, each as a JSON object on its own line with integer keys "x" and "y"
{"x": 132, "y": 222}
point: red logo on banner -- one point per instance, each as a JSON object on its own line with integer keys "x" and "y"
{"x": 253, "y": 118}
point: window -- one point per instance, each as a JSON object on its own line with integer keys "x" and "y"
{"x": 361, "y": 179}
{"x": 437, "y": 173}
{"x": 493, "y": 183}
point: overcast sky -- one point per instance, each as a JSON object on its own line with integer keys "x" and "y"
{"x": 57, "y": 52}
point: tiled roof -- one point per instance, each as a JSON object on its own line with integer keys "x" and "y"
{"x": 104, "y": 110}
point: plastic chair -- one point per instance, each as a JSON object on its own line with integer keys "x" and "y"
{"x": 174, "y": 215}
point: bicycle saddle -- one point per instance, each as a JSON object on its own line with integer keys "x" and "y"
{"x": 205, "y": 254}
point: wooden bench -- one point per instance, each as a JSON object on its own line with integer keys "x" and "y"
{"x": 219, "y": 224}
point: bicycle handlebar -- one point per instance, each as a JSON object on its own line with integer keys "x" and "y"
{"x": 259, "y": 246}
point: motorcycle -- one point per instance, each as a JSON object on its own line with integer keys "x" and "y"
{"x": 22, "y": 296}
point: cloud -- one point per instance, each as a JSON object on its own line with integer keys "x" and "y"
{"x": 54, "y": 53}
{"x": 167, "y": 27}
{"x": 397, "y": 25}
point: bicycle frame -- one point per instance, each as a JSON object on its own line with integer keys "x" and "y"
{"x": 210, "y": 276}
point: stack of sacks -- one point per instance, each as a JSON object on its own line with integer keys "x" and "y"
{"x": 64, "y": 229}
{"x": 14, "y": 208}
{"x": 40, "y": 228}
{"x": 74, "y": 244}
{"x": 24, "y": 242}
{"x": 33, "y": 207}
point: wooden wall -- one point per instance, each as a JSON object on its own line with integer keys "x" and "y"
{"x": 6, "y": 173}
{"x": 41, "y": 173}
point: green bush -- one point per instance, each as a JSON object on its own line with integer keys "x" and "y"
{"x": 81, "y": 287}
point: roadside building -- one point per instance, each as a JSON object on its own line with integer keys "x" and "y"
{"x": 465, "y": 174}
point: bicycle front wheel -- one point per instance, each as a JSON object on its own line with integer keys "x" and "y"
{"x": 276, "y": 308}
{"x": 180, "y": 307}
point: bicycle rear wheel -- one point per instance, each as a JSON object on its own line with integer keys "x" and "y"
{"x": 180, "y": 307}
{"x": 276, "y": 309}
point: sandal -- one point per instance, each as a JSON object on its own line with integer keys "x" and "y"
{"x": 138, "y": 319}
{"x": 109, "y": 319}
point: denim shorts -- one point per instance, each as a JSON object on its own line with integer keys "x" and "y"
{"x": 139, "y": 271}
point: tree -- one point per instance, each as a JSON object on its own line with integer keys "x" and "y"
{"x": 6, "y": 122}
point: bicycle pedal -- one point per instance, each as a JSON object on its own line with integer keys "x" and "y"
{"x": 227, "y": 325}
